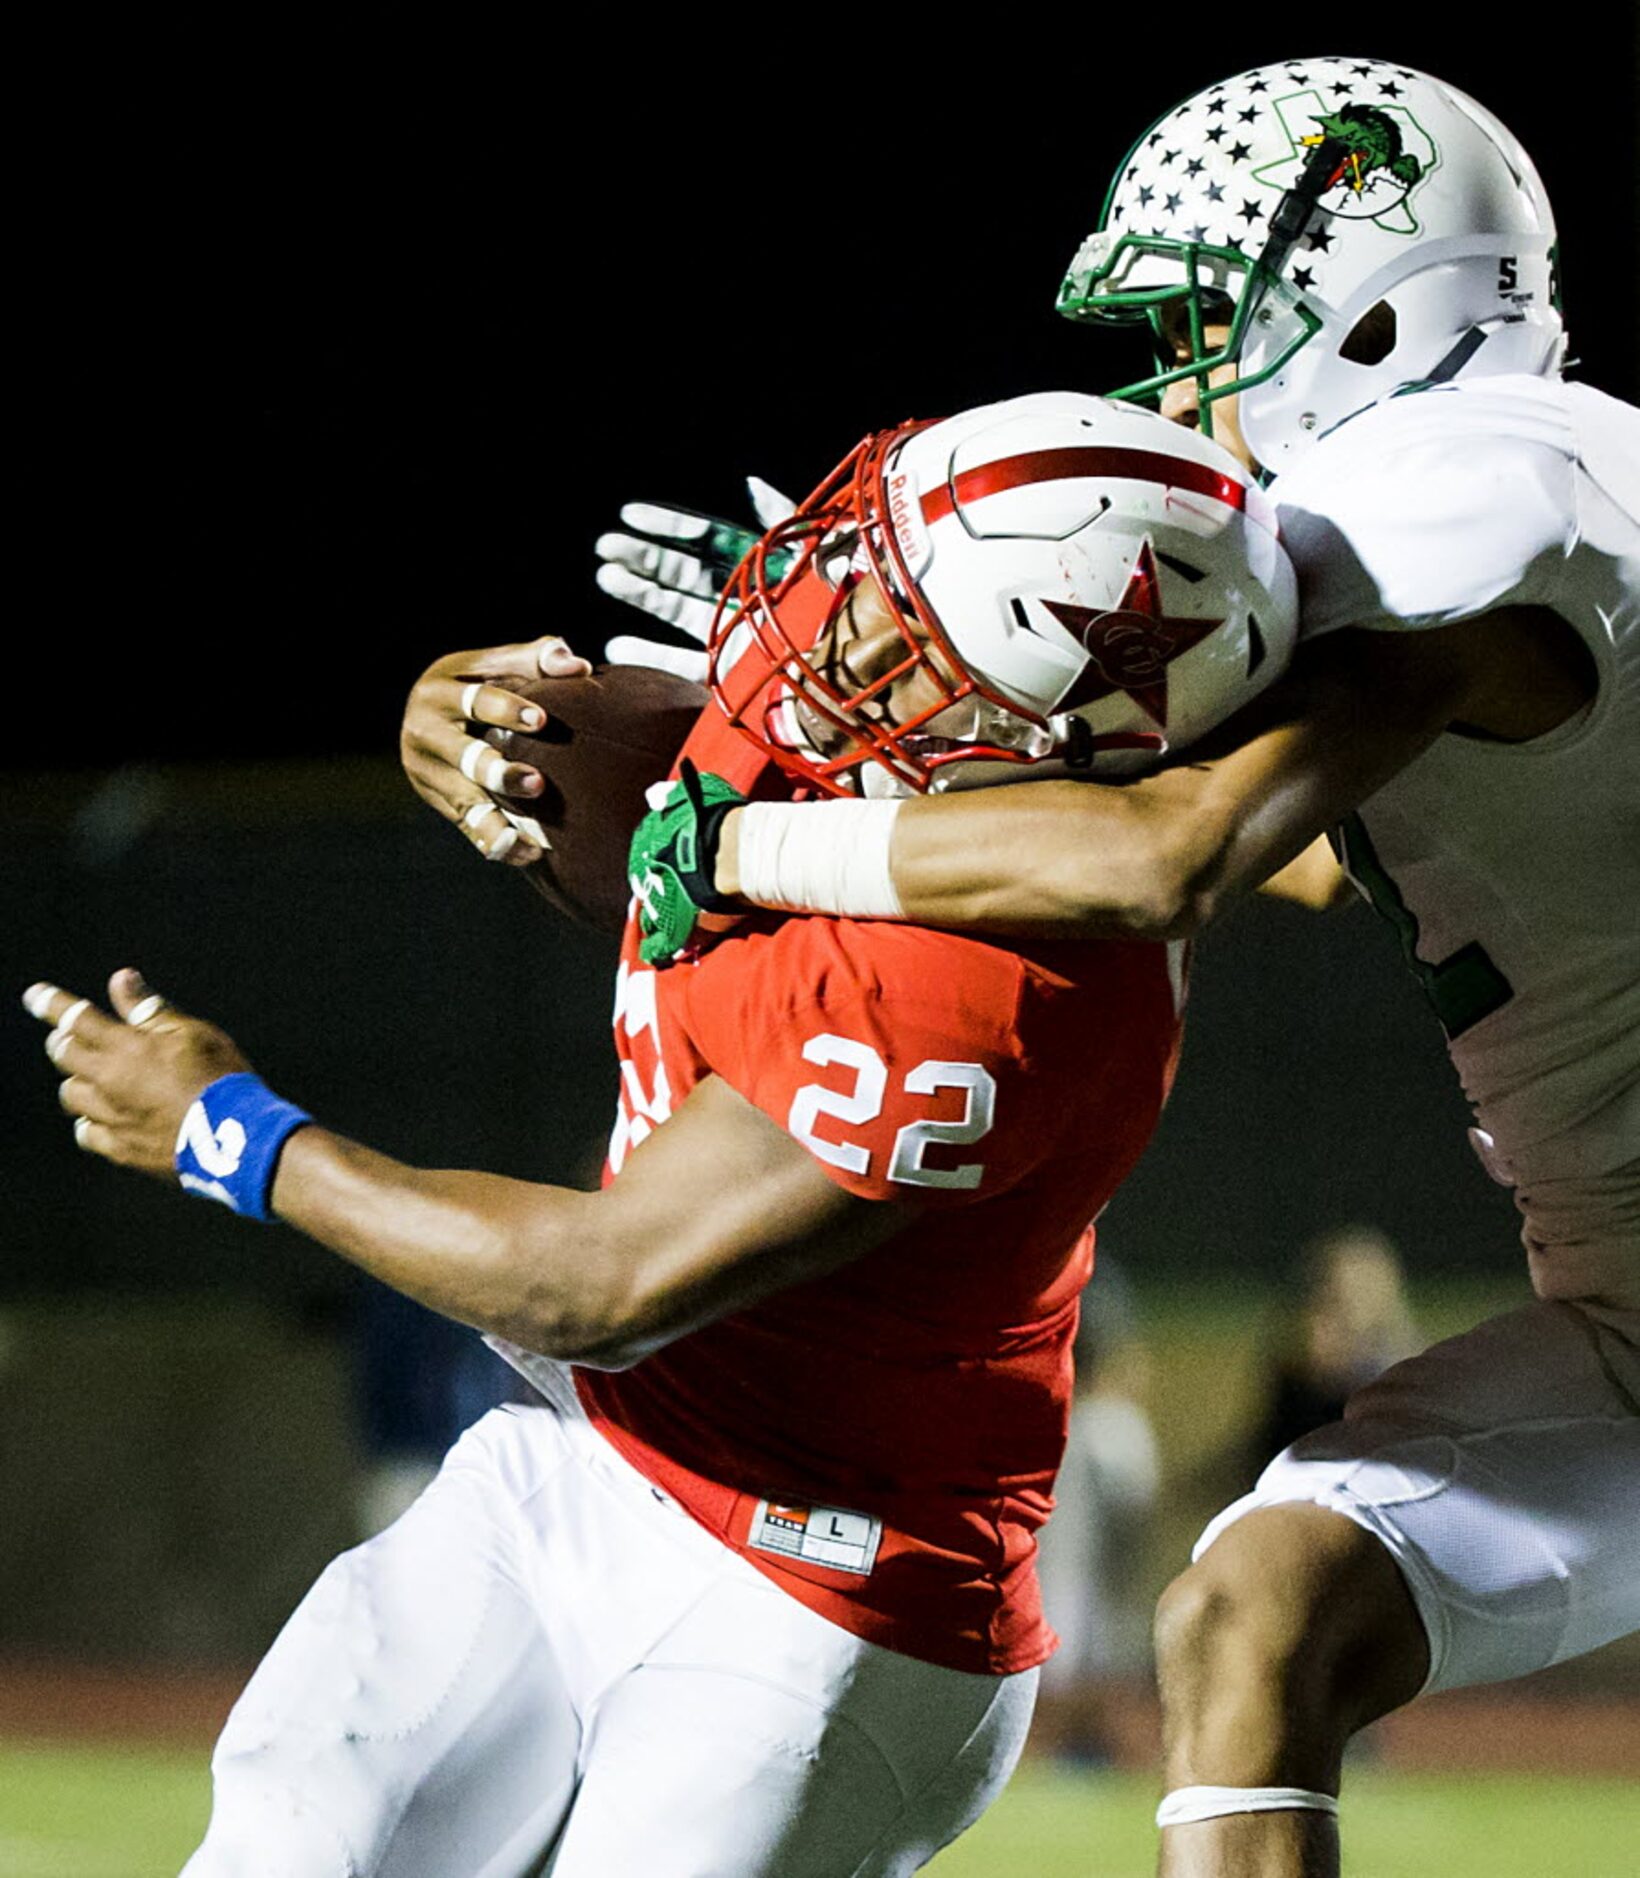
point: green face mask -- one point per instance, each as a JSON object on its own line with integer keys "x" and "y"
{"x": 1090, "y": 292}
{"x": 1116, "y": 278}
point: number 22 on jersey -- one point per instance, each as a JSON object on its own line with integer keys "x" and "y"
{"x": 864, "y": 1103}
{"x": 645, "y": 1100}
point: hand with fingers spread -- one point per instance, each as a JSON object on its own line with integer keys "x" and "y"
{"x": 672, "y": 564}
{"x": 445, "y": 756}
{"x": 132, "y": 1080}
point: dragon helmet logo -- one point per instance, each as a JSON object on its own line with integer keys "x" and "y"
{"x": 1385, "y": 153}
{"x": 1372, "y": 143}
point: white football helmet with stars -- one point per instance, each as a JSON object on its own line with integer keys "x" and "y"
{"x": 1359, "y": 226}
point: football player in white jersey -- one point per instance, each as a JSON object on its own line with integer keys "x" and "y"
{"x": 1348, "y": 269}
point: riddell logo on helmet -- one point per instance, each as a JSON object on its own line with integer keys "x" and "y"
{"x": 906, "y": 519}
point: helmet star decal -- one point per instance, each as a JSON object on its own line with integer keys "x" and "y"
{"x": 1130, "y": 648}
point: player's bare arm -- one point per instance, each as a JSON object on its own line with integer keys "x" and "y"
{"x": 716, "y": 1210}
{"x": 442, "y": 746}
{"x": 1159, "y": 857}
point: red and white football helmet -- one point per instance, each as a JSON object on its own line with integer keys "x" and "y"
{"x": 1082, "y": 587}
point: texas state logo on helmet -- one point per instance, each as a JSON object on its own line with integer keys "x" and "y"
{"x": 1079, "y": 586}
{"x": 1358, "y": 225}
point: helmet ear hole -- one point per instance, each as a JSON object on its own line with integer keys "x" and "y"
{"x": 1372, "y": 338}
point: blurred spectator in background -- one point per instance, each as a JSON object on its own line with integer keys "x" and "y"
{"x": 419, "y": 1381}
{"x": 1094, "y": 1553}
{"x": 1349, "y": 1322}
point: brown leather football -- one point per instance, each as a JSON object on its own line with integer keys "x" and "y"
{"x": 606, "y": 739}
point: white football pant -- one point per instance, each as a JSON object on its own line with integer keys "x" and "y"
{"x": 546, "y": 1667}
{"x": 1502, "y": 1470}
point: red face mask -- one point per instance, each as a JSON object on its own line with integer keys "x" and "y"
{"x": 772, "y": 666}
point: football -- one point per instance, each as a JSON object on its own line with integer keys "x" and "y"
{"x": 606, "y": 739}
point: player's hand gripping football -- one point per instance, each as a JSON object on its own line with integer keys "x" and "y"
{"x": 130, "y": 1079}
{"x": 672, "y": 564}
{"x": 442, "y": 746}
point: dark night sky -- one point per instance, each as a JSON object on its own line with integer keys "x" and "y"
{"x": 346, "y": 346}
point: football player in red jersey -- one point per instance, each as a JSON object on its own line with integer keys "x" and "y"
{"x": 751, "y": 1587}
{"x": 1350, "y": 272}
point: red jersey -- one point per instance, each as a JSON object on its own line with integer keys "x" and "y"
{"x": 882, "y": 1441}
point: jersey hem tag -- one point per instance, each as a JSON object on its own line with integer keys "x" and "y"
{"x": 817, "y": 1535}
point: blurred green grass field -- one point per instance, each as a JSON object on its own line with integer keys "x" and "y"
{"x": 129, "y": 1813}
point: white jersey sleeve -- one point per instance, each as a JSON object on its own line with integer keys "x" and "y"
{"x": 1432, "y": 507}
{"x": 1511, "y": 871}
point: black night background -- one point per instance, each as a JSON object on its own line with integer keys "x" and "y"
{"x": 347, "y": 339}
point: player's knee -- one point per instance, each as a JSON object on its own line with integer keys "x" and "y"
{"x": 1296, "y": 1599}
{"x": 280, "y": 1811}
{"x": 1255, "y": 1595}
{"x": 276, "y": 1838}
{"x": 1216, "y": 1630}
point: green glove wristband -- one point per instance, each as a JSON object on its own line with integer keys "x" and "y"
{"x": 673, "y": 860}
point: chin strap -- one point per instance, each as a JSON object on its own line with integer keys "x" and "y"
{"x": 1186, "y": 1805}
{"x": 1291, "y": 215}
{"x": 1460, "y": 355}
{"x": 1445, "y": 370}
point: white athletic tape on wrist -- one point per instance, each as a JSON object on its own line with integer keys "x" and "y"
{"x": 1186, "y": 1805}
{"x": 826, "y": 857}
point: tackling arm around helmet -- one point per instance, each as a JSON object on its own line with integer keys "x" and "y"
{"x": 1159, "y": 857}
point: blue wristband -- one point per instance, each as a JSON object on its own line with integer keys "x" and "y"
{"x": 229, "y": 1144}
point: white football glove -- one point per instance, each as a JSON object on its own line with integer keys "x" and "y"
{"x": 672, "y": 566}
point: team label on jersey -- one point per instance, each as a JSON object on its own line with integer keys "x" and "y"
{"x": 819, "y": 1535}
